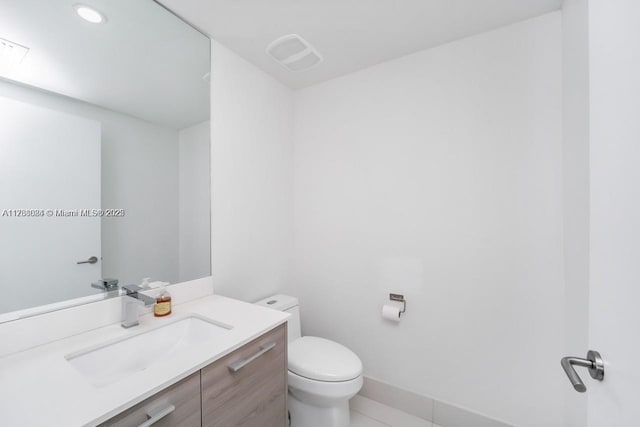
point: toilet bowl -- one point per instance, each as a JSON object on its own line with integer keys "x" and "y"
{"x": 322, "y": 374}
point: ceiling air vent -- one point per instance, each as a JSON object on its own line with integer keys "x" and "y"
{"x": 294, "y": 53}
{"x": 11, "y": 53}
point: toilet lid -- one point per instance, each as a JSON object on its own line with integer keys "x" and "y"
{"x": 323, "y": 360}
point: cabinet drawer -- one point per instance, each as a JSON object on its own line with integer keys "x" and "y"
{"x": 183, "y": 396}
{"x": 248, "y": 388}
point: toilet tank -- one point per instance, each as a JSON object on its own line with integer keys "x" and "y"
{"x": 290, "y": 305}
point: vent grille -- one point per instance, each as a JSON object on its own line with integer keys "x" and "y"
{"x": 294, "y": 53}
{"x": 11, "y": 53}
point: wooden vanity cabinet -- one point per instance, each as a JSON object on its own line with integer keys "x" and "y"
{"x": 255, "y": 395}
{"x": 181, "y": 400}
{"x": 246, "y": 388}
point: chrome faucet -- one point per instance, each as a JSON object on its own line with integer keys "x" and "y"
{"x": 131, "y": 299}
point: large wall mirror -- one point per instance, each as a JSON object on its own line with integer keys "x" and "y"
{"x": 104, "y": 150}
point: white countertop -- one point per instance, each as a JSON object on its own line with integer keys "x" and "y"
{"x": 39, "y": 387}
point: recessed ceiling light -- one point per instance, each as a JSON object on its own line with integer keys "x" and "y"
{"x": 89, "y": 14}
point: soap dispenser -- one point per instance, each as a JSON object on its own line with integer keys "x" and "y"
{"x": 162, "y": 306}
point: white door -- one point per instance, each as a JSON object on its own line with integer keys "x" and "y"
{"x": 614, "y": 297}
{"x": 49, "y": 162}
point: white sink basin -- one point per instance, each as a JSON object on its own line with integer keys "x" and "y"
{"x": 111, "y": 361}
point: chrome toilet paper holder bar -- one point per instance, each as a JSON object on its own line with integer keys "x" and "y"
{"x": 399, "y": 298}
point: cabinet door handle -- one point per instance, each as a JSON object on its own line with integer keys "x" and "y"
{"x": 236, "y": 366}
{"x": 157, "y": 414}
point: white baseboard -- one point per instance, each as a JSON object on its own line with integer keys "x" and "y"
{"x": 429, "y": 409}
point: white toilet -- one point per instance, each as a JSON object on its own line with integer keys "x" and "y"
{"x": 323, "y": 375}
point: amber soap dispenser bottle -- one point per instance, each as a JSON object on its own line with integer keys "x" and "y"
{"x": 162, "y": 307}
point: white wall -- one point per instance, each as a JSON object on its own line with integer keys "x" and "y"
{"x": 575, "y": 41}
{"x": 139, "y": 174}
{"x": 195, "y": 202}
{"x": 251, "y": 154}
{"x": 439, "y": 175}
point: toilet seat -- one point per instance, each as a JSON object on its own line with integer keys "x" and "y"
{"x": 323, "y": 360}
{"x": 323, "y": 392}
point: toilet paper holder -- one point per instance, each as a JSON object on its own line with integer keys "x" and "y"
{"x": 399, "y": 298}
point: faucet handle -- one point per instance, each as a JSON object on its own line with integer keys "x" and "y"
{"x": 134, "y": 292}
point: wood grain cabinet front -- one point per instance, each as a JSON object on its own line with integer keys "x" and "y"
{"x": 248, "y": 388}
{"x": 176, "y": 406}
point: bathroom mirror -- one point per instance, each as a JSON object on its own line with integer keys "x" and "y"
{"x": 104, "y": 150}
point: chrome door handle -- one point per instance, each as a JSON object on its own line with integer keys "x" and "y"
{"x": 157, "y": 414}
{"x": 91, "y": 260}
{"x": 593, "y": 363}
{"x": 236, "y": 366}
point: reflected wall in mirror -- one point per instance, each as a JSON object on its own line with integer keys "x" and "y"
{"x": 104, "y": 150}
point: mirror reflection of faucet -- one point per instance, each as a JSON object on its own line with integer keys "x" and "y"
{"x": 106, "y": 285}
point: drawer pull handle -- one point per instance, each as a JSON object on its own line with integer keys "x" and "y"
{"x": 157, "y": 414}
{"x": 236, "y": 366}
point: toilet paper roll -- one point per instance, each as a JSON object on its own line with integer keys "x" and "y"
{"x": 391, "y": 312}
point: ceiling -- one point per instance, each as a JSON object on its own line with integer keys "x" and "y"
{"x": 350, "y": 34}
{"x": 143, "y": 62}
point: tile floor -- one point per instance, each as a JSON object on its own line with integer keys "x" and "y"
{"x": 369, "y": 413}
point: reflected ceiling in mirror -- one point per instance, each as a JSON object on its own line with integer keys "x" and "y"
{"x": 141, "y": 60}
{"x": 104, "y": 150}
